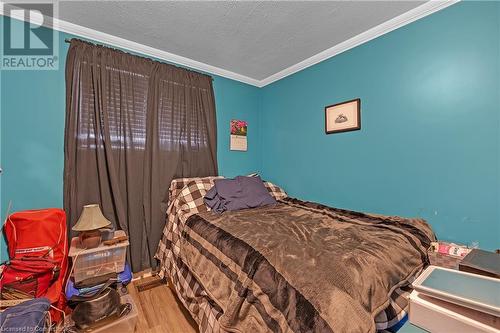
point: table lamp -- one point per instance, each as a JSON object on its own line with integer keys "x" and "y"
{"x": 88, "y": 225}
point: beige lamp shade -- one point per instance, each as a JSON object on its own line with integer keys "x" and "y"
{"x": 91, "y": 219}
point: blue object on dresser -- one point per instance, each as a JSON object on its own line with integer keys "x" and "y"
{"x": 466, "y": 286}
{"x": 410, "y": 328}
{"x": 400, "y": 324}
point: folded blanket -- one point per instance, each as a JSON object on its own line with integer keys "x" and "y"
{"x": 239, "y": 193}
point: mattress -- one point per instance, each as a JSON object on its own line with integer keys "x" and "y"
{"x": 213, "y": 311}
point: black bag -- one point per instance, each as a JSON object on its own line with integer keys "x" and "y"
{"x": 91, "y": 309}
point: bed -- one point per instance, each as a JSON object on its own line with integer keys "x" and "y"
{"x": 294, "y": 267}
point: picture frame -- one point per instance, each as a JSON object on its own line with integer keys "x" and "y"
{"x": 343, "y": 117}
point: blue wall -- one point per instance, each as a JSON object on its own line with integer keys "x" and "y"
{"x": 235, "y": 100}
{"x": 32, "y": 134}
{"x": 429, "y": 143}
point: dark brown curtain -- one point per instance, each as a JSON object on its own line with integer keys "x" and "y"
{"x": 132, "y": 125}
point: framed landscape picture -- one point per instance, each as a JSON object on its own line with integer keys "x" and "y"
{"x": 343, "y": 117}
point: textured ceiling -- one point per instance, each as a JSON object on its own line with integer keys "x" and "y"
{"x": 252, "y": 38}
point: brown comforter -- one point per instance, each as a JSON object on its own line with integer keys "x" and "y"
{"x": 301, "y": 266}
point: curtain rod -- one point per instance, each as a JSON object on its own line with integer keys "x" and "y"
{"x": 69, "y": 42}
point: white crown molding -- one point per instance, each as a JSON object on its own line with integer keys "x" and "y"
{"x": 388, "y": 26}
{"x": 111, "y": 40}
{"x": 377, "y": 31}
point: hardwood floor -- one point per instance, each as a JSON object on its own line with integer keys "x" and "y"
{"x": 159, "y": 310}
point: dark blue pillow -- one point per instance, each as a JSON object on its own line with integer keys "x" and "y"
{"x": 239, "y": 193}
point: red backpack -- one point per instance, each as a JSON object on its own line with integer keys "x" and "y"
{"x": 38, "y": 249}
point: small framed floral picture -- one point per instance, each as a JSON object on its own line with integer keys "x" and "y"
{"x": 343, "y": 117}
